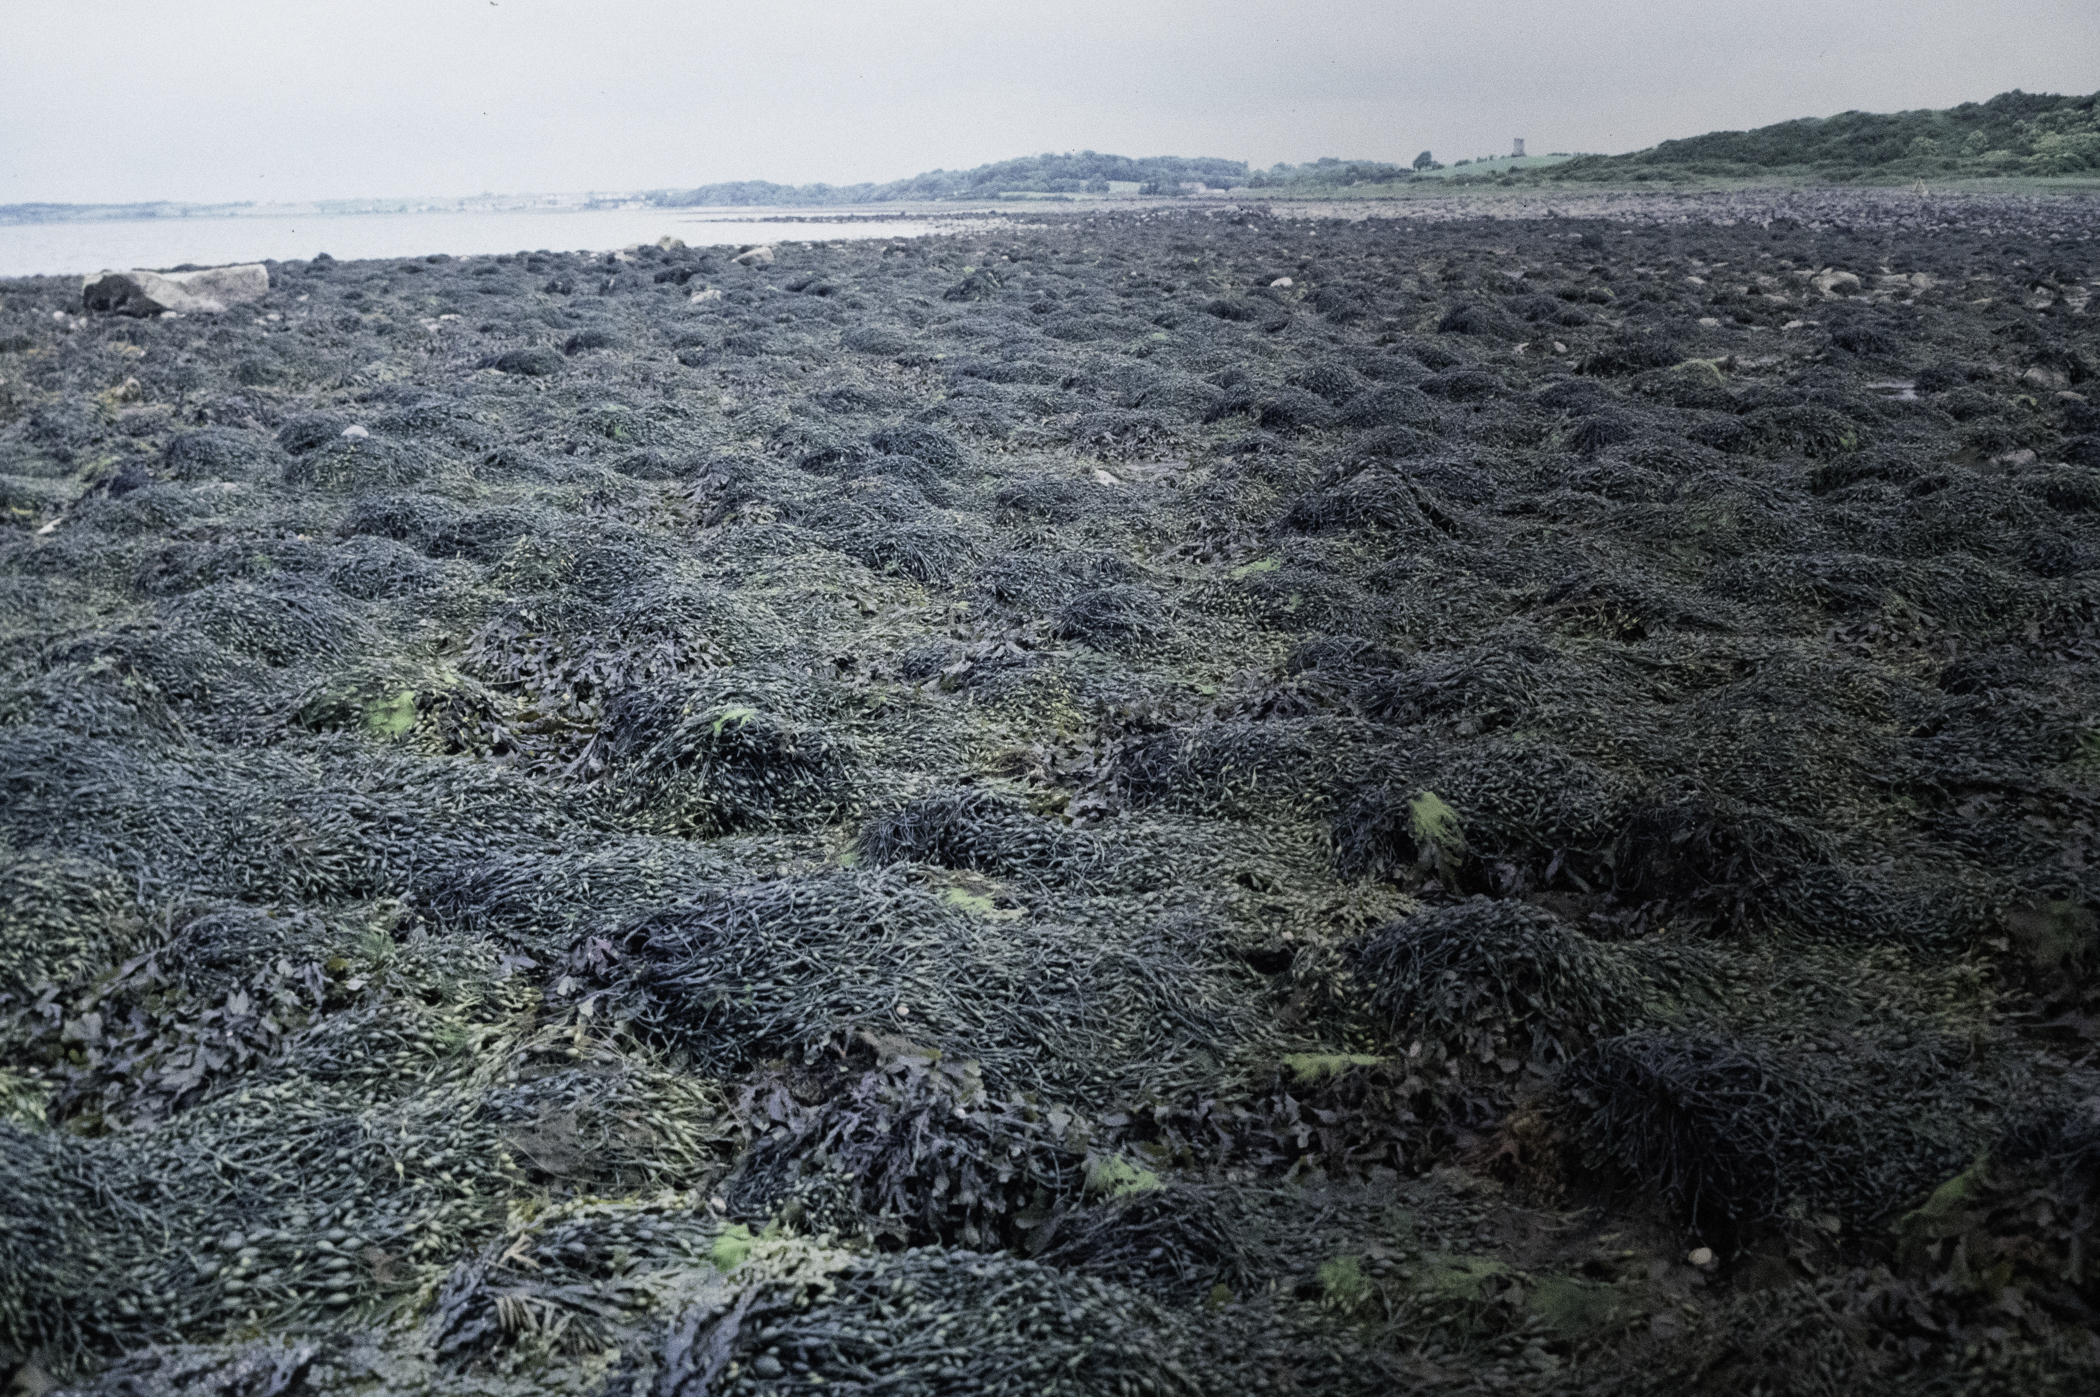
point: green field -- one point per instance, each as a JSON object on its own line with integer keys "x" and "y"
{"x": 1501, "y": 165}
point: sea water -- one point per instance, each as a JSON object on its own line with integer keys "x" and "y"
{"x": 90, "y": 245}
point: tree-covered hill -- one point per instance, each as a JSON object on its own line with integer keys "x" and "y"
{"x": 2014, "y": 133}
{"x": 1081, "y": 172}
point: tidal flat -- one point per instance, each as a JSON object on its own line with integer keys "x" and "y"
{"x": 1161, "y": 802}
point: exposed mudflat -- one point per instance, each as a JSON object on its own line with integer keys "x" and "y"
{"x": 1152, "y": 803}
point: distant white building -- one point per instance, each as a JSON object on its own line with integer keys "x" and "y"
{"x": 1125, "y": 186}
{"x": 1518, "y": 153}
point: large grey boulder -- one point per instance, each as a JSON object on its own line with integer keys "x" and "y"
{"x": 150, "y": 293}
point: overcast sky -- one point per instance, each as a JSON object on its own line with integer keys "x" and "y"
{"x": 295, "y": 99}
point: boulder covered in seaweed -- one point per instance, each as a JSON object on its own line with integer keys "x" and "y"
{"x": 1508, "y": 982}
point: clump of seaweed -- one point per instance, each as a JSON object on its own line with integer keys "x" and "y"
{"x": 1722, "y": 1131}
{"x": 682, "y": 766}
{"x": 67, "y": 918}
{"x": 1493, "y": 980}
{"x": 1178, "y": 1237}
{"x": 925, "y": 1153}
{"x": 972, "y": 828}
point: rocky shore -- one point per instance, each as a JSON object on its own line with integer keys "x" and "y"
{"x": 1195, "y": 801}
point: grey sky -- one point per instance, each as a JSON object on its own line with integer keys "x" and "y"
{"x": 288, "y": 100}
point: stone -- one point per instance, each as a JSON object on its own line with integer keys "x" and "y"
{"x": 1282, "y": 281}
{"x": 1701, "y": 1256}
{"x": 150, "y": 293}
{"x": 756, "y": 257}
{"x": 1834, "y": 284}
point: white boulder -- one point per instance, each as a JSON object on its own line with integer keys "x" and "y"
{"x": 1834, "y": 284}
{"x": 150, "y": 293}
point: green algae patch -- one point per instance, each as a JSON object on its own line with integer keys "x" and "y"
{"x": 738, "y": 715}
{"x": 730, "y": 1249}
{"x": 1955, "y": 1212}
{"x": 392, "y": 717}
{"x": 1435, "y": 822}
{"x": 1344, "y": 1286}
{"x": 1310, "y": 1069}
{"x": 1436, "y": 828}
{"x": 1119, "y": 1178}
{"x": 1962, "y": 1188}
{"x": 1247, "y": 570}
{"x": 1460, "y": 1277}
{"x": 1944, "y": 1213}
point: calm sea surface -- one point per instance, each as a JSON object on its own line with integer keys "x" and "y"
{"x": 50, "y": 249}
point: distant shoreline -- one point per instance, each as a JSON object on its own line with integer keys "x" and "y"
{"x": 321, "y": 208}
{"x": 1446, "y": 187}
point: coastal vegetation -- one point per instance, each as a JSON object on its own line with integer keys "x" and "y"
{"x": 2015, "y": 134}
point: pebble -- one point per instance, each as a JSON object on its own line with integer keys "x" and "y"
{"x": 1701, "y": 1256}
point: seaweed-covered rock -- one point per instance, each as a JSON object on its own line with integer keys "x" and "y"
{"x": 1495, "y": 979}
{"x": 347, "y": 464}
{"x": 1719, "y": 1129}
{"x": 216, "y": 454}
{"x": 709, "y": 768}
{"x": 66, "y": 917}
{"x": 971, "y": 829}
{"x": 926, "y": 1153}
{"x": 855, "y": 951}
